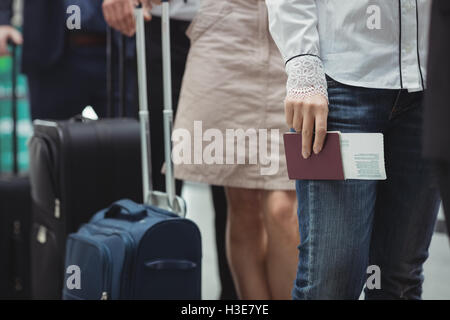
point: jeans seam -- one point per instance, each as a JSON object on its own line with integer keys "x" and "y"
{"x": 311, "y": 238}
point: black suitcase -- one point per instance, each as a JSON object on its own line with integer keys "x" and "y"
{"x": 77, "y": 167}
{"x": 15, "y": 219}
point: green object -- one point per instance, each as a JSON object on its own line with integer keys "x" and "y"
{"x": 24, "y": 128}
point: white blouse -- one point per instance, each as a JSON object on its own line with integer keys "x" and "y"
{"x": 367, "y": 43}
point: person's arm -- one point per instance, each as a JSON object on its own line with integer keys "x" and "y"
{"x": 293, "y": 25}
{"x": 7, "y": 32}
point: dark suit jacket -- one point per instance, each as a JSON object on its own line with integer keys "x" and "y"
{"x": 43, "y": 32}
{"x": 437, "y": 96}
{"x": 44, "y": 28}
{"x": 5, "y": 11}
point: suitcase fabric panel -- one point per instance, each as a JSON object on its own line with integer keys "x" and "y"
{"x": 15, "y": 217}
{"x": 93, "y": 257}
{"x": 169, "y": 262}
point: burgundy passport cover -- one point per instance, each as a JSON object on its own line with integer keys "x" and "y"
{"x": 327, "y": 165}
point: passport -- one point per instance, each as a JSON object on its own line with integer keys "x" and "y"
{"x": 357, "y": 156}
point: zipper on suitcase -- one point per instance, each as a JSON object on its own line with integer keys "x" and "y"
{"x": 52, "y": 162}
{"x": 106, "y": 287}
{"x": 129, "y": 254}
{"x": 57, "y": 212}
{"x": 127, "y": 281}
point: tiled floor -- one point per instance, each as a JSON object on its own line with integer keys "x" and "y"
{"x": 200, "y": 209}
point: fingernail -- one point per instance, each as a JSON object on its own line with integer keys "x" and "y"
{"x": 317, "y": 150}
{"x": 305, "y": 155}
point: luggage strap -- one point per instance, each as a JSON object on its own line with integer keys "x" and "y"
{"x": 126, "y": 210}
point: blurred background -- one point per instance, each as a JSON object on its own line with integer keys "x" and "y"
{"x": 24, "y": 128}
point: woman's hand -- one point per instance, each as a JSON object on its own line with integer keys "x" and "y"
{"x": 306, "y": 104}
{"x": 308, "y": 116}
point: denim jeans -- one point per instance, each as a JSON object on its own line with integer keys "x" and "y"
{"x": 346, "y": 226}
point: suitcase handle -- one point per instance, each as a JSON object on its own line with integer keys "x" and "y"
{"x": 171, "y": 264}
{"x": 168, "y": 200}
{"x": 126, "y": 210}
{"x": 168, "y": 105}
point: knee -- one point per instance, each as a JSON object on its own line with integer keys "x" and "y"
{"x": 244, "y": 211}
{"x": 281, "y": 212}
{"x": 334, "y": 275}
{"x": 241, "y": 201}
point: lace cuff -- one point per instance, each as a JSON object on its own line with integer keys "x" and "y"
{"x": 306, "y": 78}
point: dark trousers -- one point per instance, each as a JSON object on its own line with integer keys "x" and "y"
{"x": 443, "y": 171}
{"x": 78, "y": 80}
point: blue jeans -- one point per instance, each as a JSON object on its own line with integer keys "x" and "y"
{"x": 346, "y": 226}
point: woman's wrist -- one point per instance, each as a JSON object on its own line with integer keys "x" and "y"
{"x": 306, "y": 78}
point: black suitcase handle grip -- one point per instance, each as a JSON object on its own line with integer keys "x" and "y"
{"x": 126, "y": 210}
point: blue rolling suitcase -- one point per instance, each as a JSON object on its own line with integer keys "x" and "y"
{"x": 139, "y": 251}
{"x": 132, "y": 251}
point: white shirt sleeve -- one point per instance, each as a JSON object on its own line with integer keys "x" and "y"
{"x": 293, "y": 26}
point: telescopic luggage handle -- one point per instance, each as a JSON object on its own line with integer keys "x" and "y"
{"x": 168, "y": 200}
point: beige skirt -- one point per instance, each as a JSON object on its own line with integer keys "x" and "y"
{"x": 230, "y": 119}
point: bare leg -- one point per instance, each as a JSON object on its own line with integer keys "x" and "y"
{"x": 281, "y": 223}
{"x": 247, "y": 243}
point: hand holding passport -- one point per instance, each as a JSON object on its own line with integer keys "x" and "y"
{"x": 343, "y": 156}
